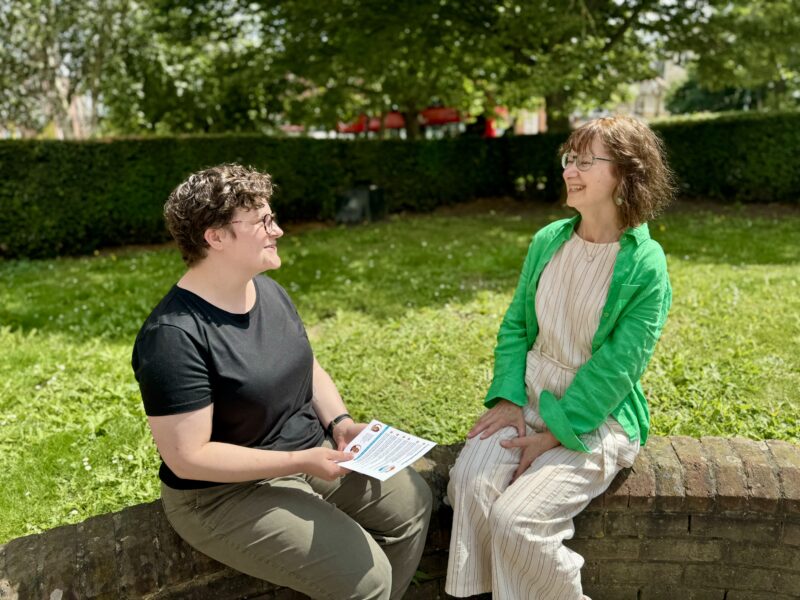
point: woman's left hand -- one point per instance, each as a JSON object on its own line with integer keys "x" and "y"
{"x": 532, "y": 446}
{"x": 344, "y": 432}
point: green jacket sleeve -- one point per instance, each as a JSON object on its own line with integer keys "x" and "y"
{"x": 512, "y": 343}
{"x": 607, "y": 378}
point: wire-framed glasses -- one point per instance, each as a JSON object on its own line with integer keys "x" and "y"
{"x": 268, "y": 220}
{"x": 583, "y": 162}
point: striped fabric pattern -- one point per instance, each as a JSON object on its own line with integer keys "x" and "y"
{"x": 508, "y": 540}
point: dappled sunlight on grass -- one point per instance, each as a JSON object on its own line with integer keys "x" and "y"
{"x": 428, "y": 368}
{"x": 729, "y": 235}
{"x": 727, "y": 363}
{"x": 404, "y": 315}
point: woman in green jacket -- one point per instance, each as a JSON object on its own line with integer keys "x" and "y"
{"x": 565, "y": 408}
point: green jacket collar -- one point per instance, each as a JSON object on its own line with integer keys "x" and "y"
{"x": 638, "y": 234}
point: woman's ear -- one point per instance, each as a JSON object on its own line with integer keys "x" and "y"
{"x": 214, "y": 237}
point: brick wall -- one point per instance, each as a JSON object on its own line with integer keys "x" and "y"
{"x": 692, "y": 520}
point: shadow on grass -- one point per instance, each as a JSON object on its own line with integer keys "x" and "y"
{"x": 383, "y": 270}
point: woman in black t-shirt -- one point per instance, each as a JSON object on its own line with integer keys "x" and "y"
{"x": 249, "y": 426}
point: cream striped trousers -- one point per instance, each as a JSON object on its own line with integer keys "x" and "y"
{"x": 508, "y": 540}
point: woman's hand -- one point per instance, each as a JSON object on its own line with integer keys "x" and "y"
{"x": 323, "y": 462}
{"x": 533, "y": 446}
{"x": 502, "y": 414}
{"x": 345, "y": 431}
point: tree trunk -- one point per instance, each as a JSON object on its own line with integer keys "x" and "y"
{"x": 76, "y": 117}
{"x": 411, "y": 116}
{"x": 557, "y": 116}
{"x": 382, "y": 128}
{"x": 94, "y": 117}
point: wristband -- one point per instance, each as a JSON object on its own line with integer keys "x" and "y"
{"x": 336, "y": 421}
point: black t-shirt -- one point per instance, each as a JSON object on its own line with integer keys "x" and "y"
{"x": 255, "y": 368}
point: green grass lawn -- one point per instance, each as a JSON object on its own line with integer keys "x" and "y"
{"x": 403, "y": 315}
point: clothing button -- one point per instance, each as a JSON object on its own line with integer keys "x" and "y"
{"x": 605, "y": 315}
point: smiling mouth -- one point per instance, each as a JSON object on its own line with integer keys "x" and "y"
{"x": 575, "y": 188}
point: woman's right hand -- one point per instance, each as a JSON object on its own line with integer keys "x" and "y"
{"x": 502, "y": 414}
{"x": 323, "y": 462}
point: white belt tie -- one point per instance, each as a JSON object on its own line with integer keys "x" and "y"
{"x": 554, "y": 360}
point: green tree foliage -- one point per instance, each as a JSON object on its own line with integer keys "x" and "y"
{"x": 572, "y": 54}
{"x": 144, "y": 67}
{"x": 749, "y": 45}
{"x": 367, "y": 55}
{"x": 194, "y": 68}
{"x": 51, "y": 52}
{"x": 691, "y": 97}
{"x": 175, "y": 66}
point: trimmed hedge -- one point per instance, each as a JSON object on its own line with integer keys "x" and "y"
{"x": 73, "y": 197}
{"x": 746, "y": 157}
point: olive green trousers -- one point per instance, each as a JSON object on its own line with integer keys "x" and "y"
{"x": 353, "y": 538}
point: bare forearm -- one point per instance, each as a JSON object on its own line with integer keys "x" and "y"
{"x": 228, "y": 463}
{"x": 327, "y": 402}
{"x": 183, "y": 440}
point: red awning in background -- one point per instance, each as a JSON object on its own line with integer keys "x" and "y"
{"x": 357, "y": 126}
{"x": 440, "y": 115}
{"x": 392, "y": 120}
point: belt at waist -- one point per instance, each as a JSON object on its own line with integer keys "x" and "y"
{"x": 553, "y": 360}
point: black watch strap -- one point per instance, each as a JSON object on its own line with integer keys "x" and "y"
{"x": 336, "y": 421}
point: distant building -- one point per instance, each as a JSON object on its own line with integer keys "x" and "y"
{"x": 649, "y": 97}
{"x": 528, "y": 122}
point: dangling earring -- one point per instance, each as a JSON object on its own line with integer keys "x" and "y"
{"x": 619, "y": 201}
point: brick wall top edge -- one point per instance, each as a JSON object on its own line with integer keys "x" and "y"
{"x": 717, "y": 479}
{"x": 671, "y": 474}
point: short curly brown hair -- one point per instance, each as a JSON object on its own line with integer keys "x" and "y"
{"x": 208, "y": 199}
{"x": 646, "y": 183}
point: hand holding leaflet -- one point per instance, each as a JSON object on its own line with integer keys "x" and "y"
{"x": 382, "y": 451}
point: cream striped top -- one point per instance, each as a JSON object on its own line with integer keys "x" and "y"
{"x": 570, "y": 298}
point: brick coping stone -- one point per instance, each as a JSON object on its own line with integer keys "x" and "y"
{"x": 695, "y": 519}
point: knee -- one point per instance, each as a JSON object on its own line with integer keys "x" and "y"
{"x": 468, "y": 478}
{"x": 410, "y": 493}
{"x": 411, "y": 505}
{"x": 462, "y": 474}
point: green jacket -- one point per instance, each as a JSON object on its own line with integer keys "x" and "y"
{"x": 636, "y": 309}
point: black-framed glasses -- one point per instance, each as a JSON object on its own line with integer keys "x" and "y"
{"x": 268, "y": 220}
{"x": 583, "y": 162}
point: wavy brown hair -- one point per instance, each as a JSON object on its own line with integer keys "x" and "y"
{"x": 208, "y": 199}
{"x": 646, "y": 183}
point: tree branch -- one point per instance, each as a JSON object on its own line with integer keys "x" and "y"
{"x": 626, "y": 24}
